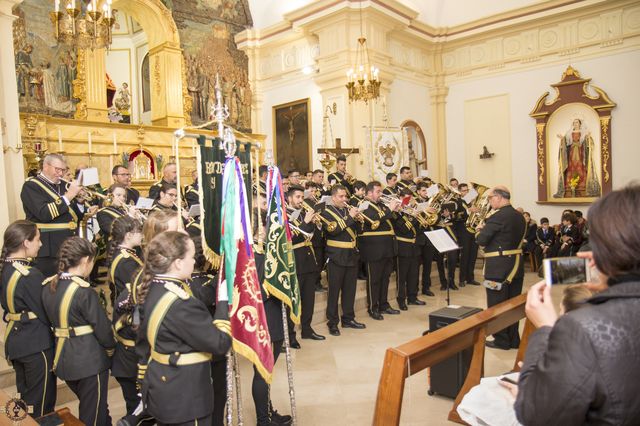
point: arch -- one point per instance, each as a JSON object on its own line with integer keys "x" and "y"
{"x": 154, "y": 18}
{"x": 422, "y": 140}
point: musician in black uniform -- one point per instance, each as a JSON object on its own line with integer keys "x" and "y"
{"x": 377, "y": 246}
{"x": 191, "y": 194}
{"x": 406, "y": 181}
{"x": 450, "y": 257}
{"x": 467, "y": 238}
{"x": 107, "y": 215}
{"x": 342, "y": 264}
{"x": 406, "y": 228}
{"x": 340, "y": 176}
{"x": 177, "y": 335}
{"x": 307, "y": 268}
{"x": 501, "y": 236}
{"x": 28, "y": 344}
{"x": 169, "y": 177}
{"x": 46, "y": 199}
{"x": 428, "y": 251}
{"x": 126, "y": 238}
{"x": 392, "y": 185}
{"x": 544, "y": 242}
{"x": 359, "y": 191}
{"x": 318, "y": 240}
{"x": 318, "y": 179}
{"x": 84, "y": 338}
{"x": 121, "y": 175}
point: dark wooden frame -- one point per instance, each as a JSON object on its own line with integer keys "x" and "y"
{"x": 572, "y": 89}
{"x": 280, "y": 109}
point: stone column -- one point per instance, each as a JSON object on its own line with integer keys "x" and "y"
{"x": 439, "y": 131}
{"x": 11, "y": 161}
{"x": 166, "y": 85}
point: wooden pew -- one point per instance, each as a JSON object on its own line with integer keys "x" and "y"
{"x": 435, "y": 347}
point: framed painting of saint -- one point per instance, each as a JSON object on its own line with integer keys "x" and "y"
{"x": 573, "y": 142}
{"x": 292, "y": 135}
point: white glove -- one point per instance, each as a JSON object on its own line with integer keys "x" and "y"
{"x": 223, "y": 293}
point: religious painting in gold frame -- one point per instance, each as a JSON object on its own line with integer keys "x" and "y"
{"x": 292, "y": 135}
{"x": 573, "y": 142}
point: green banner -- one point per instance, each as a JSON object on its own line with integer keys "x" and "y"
{"x": 211, "y": 161}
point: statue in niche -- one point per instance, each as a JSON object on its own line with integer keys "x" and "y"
{"x": 203, "y": 94}
{"x": 577, "y": 176}
{"x": 122, "y": 102}
{"x": 142, "y": 167}
{"x": 50, "y": 92}
{"x": 63, "y": 78}
{"x": 23, "y": 71}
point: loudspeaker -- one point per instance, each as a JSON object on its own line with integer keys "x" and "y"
{"x": 448, "y": 376}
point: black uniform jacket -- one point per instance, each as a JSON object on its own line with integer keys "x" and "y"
{"x": 154, "y": 190}
{"x": 132, "y": 195}
{"x": 340, "y": 179}
{"x": 318, "y": 239}
{"x": 341, "y": 241}
{"x": 406, "y": 229}
{"x": 191, "y": 194}
{"x": 80, "y": 355}
{"x": 125, "y": 265}
{"x": 302, "y": 246}
{"x": 543, "y": 239}
{"x": 125, "y": 359}
{"x": 355, "y": 201}
{"x": 28, "y": 330}
{"x": 408, "y": 184}
{"x": 43, "y": 204}
{"x": 379, "y": 243}
{"x": 421, "y": 238}
{"x": 179, "y": 336}
{"x": 570, "y": 231}
{"x": 503, "y": 230}
{"x": 393, "y": 192}
{"x": 106, "y": 216}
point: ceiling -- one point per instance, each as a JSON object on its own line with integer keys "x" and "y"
{"x": 437, "y": 13}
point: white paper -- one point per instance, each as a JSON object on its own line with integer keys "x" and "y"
{"x": 308, "y": 193}
{"x": 144, "y": 203}
{"x": 422, "y": 207}
{"x": 326, "y": 199}
{"x": 363, "y": 206}
{"x": 441, "y": 240}
{"x": 471, "y": 195}
{"x": 194, "y": 210}
{"x": 424, "y": 173}
{"x": 432, "y": 190}
{"x": 88, "y": 177}
{"x": 294, "y": 215}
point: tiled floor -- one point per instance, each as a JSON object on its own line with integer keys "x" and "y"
{"x": 336, "y": 380}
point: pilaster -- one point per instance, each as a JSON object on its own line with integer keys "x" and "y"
{"x": 95, "y": 84}
{"x": 166, "y": 86}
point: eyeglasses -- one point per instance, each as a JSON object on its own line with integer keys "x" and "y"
{"x": 61, "y": 169}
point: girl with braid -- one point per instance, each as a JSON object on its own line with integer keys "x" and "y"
{"x": 84, "y": 338}
{"x": 177, "y": 334}
{"x": 28, "y": 338}
{"x": 126, "y": 237}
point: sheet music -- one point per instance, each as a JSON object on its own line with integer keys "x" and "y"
{"x": 471, "y": 195}
{"x": 363, "y": 206}
{"x": 88, "y": 176}
{"x": 144, "y": 203}
{"x": 194, "y": 210}
{"x": 294, "y": 215}
{"x": 327, "y": 200}
{"x": 421, "y": 207}
{"x": 432, "y": 190}
{"x": 441, "y": 240}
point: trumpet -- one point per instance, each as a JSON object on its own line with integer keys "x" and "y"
{"x": 331, "y": 226}
{"x": 133, "y": 211}
{"x": 316, "y": 218}
{"x": 361, "y": 217}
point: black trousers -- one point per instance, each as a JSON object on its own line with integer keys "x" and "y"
{"x": 468, "y": 256}
{"x": 92, "y": 393}
{"x": 407, "y": 278}
{"x": 318, "y": 251}
{"x": 538, "y": 255}
{"x": 35, "y": 381}
{"x": 429, "y": 254}
{"x": 47, "y": 265}
{"x": 307, "y": 282}
{"x": 508, "y": 337}
{"x": 219, "y": 378}
{"x": 378, "y": 274}
{"x": 195, "y": 422}
{"x": 129, "y": 393}
{"x": 260, "y": 390}
{"x": 342, "y": 279}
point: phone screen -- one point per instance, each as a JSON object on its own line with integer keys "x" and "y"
{"x": 566, "y": 270}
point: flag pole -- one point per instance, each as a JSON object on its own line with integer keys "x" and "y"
{"x": 176, "y": 153}
{"x": 287, "y": 347}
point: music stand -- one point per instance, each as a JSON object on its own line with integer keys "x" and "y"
{"x": 443, "y": 242}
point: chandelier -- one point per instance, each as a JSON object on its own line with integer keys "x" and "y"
{"x": 363, "y": 82}
{"x": 91, "y": 30}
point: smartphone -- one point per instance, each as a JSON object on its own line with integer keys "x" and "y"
{"x": 508, "y": 380}
{"x": 566, "y": 270}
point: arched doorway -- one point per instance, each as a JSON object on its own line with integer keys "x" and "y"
{"x": 417, "y": 146}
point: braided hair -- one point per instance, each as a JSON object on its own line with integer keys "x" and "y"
{"x": 156, "y": 223}
{"x": 119, "y": 229}
{"x": 14, "y": 236}
{"x": 73, "y": 250}
{"x": 160, "y": 254}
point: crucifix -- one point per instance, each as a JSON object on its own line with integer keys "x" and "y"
{"x": 327, "y": 161}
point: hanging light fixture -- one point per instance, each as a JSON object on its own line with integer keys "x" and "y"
{"x": 363, "y": 79}
{"x": 92, "y": 30}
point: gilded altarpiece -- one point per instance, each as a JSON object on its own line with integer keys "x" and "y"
{"x": 573, "y": 141}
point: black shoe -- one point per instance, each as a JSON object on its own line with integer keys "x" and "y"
{"x": 492, "y": 344}
{"x": 376, "y": 315}
{"x": 279, "y": 419}
{"x": 417, "y": 302}
{"x": 428, "y": 293}
{"x": 294, "y": 344}
{"x": 402, "y": 305}
{"x": 453, "y": 286}
{"x": 333, "y": 330}
{"x": 353, "y": 324}
{"x": 473, "y": 282}
{"x": 443, "y": 287}
{"x": 391, "y": 311}
{"x": 462, "y": 284}
{"x": 313, "y": 336}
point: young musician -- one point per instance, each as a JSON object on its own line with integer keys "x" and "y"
{"x": 84, "y": 338}
{"x": 447, "y": 223}
{"x": 28, "y": 344}
{"x": 177, "y": 335}
{"x": 340, "y": 176}
{"x": 406, "y": 181}
{"x": 107, "y": 215}
{"x": 428, "y": 251}
{"x": 359, "y": 191}
{"x": 391, "y": 188}
{"x": 126, "y": 237}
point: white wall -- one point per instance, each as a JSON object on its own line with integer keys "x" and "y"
{"x": 615, "y": 74}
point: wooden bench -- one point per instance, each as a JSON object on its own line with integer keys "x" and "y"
{"x": 435, "y": 347}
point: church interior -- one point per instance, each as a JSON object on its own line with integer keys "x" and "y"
{"x": 538, "y": 96}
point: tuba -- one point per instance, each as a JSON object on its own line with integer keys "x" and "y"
{"x": 482, "y": 203}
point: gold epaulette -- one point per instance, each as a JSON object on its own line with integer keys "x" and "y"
{"x": 177, "y": 290}
{"x": 82, "y": 283}
{"x": 22, "y": 269}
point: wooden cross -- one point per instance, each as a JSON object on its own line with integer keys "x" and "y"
{"x": 338, "y": 150}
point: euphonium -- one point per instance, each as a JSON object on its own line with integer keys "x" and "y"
{"x": 482, "y": 204}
